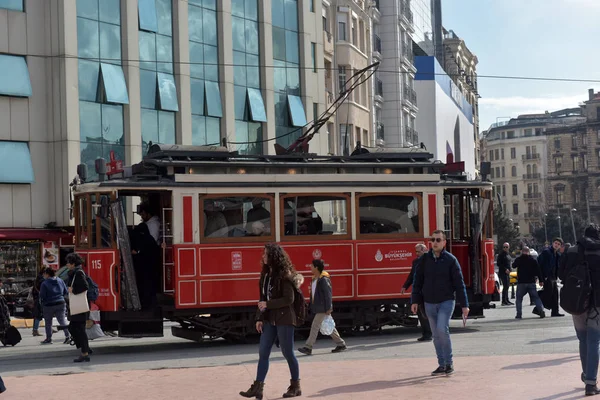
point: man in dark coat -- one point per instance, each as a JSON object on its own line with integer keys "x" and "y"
{"x": 548, "y": 261}
{"x": 587, "y": 325}
{"x": 420, "y": 249}
{"x": 503, "y": 262}
{"x": 528, "y": 272}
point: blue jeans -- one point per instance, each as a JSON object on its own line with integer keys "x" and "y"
{"x": 588, "y": 333}
{"x": 439, "y": 318}
{"x": 285, "y": 333}
{"x": 60, "y": 312}
{"x": 36, "y": 324}
{"x": 527, "y": 288}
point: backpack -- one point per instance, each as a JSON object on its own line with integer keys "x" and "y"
{"x": 576, "y": 292}
{"x": 300, "y": 307}
{"x": 93, "y": 291}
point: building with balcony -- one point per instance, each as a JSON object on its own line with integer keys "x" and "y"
{"x": 461, "y": 65}
{"x": 517, "y": 153}
{"x": 82, "y": 79}
{"x": 573, "y": 163}
{"x": 349, "y": 47}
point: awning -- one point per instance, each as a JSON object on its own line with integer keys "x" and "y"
{"x": 43, "y": 235}
{"x": 15, "y": 163}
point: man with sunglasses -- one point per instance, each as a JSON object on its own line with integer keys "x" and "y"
{"x": 438, "y": 282}
{"x": 503, "y": 262}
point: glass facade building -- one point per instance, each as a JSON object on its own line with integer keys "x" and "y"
{"x": 158, "y": 92}
{"x": 207, "y": 109}
{"x": 102, "y": 87}
{"x": 249, "y": 104}
{"x": 423, "y": 36}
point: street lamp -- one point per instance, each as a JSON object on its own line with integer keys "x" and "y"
{"x": 546, "y": 227}
{"x": 559, "y": 227}
{"x": 573, "y": 224}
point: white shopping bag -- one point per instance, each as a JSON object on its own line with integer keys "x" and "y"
{"x": 327, "y": 326}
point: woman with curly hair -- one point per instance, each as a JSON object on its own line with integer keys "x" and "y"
{"x": 276, "y": 318}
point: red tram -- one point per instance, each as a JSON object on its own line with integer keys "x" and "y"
{"x": 362, "y": 214}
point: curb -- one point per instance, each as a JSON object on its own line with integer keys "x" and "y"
{"x": 21, "y": 323}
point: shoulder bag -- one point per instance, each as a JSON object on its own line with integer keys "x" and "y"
{"x": 78, "y": 303}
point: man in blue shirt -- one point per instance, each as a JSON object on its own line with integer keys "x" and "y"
{"x": 437, "y": 281}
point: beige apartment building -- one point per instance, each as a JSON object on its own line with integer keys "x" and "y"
{"x": 82, "y": 79}
{"x": 517, "y": 153}
{"x": 347, "y": 49}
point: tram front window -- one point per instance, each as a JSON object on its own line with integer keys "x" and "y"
{"x": 236, "y": 216}
{"x": 314, "y": 215}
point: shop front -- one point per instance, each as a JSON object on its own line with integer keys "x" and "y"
{"x": 23, "y": 253}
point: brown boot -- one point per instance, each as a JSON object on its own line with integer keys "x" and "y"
{"x": 35, "y": 332}
{"x": 256, "y": 390}
{"x": 294, "y": 389}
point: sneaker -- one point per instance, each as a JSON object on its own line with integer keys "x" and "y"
{"x": 82, "y": 359}
{"x": 425, "y": 339}
{"x": 542, "y": 314}
{"x": 557, "y": 315}
{"x": 35, "y": 332}
{"x": 591, "y": 390}
{"x": 439, "y": 371}
{"x": 46, "y": 341}
{"x": 518, "y": 317}
{"x": 449, "y": 369}
{"x": 536, "y": 311}
{"x": 339, "y": 349}
{"x": 510, "y": 303}
{"x": 305, "y": 350}
{"x": 67, "y": 340}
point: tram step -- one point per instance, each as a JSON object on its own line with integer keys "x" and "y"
{"x": 141, "y": 328}
{"x": 189, "y": 334}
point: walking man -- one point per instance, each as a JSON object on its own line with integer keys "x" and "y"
{"x": 321, "y": 305}
{"x": 548, "y": 261}
{"x": 587, "y": 325}
{"x": 420, "y": 249}
{"x": 503, "y": 262}
{"x": 437, "y": 281}
{"x": 528, "y": 273}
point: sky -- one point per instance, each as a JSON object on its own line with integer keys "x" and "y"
{"x": 528, "y": 38}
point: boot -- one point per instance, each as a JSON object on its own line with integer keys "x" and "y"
{"x": 294, "y": 389}
{"x": 35, "y": 332}
{"x": 256, "y": 390}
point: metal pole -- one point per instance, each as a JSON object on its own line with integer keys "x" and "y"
{"x": 573, "y": 225}
{"x": 587, "y": 203}
{"x": 546, "y": 227}
{"x": 559, "y": 227}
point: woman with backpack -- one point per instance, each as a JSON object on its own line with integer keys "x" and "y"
{"x": 276, "y": 317}
{"x": 77, "y": 284}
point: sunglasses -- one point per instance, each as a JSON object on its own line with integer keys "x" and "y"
{"x": 436, "y": 240}
{"x": 506, "y": 247}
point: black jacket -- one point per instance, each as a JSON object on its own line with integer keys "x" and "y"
{"x": 549, "y": 261}
{"x": 592, "y": 256}
{"x": 322, "y": 298}
{"x": 438, "y": 279}
{"x": 80, "y": 285}
{"x": 527, "y": 269}
{"x": 503, "y": 262}
{"x": 411, "y": 277}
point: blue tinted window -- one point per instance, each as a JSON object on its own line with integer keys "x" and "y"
{"x": 167, "y": 92}
{"x": 147, "y": 15}
{"x": 240, "y": 102}
{"x": 195, "y": 24}
{"x": 90, "y": 121}
{"x": 148, "y": 83}
{"x": 211, "y": 61}
{"x": 237, "y": 8}
{"x": 164, "y": 54}
{"x": 148, "y": 50}
{"x": 279, "y": 44}
{"x": 241, "y": 136}
{"x": 165, "y": 17}
{"x": 89, "y": 72}
{"x": 251, "y": 37}
{"x": 115, "y": 88}
{"x": 296, "y": 110}
{"x": 110, "y": 43}
{"x": 149, "y": 126}
{"x": 293, "y": 79}
{"x": 112, "y": 124}
{"x": 251, "y": 10}
{"x": 291, "y": 15}
{"x": 257, "y": 106}
{"x": 279, "y": 76}
{"x": 213, "y": 100}
{"x": 166, "y": 127}
{"x": 85, "y": 8}
{"x": 88, "y": 42}
{"x": 278, "y": 13}
{"x": 252, "y": 72}
{"x": 119, "y": 151}
{"x": 196, "y": 60}
{"x": 282, "y": 116}
{"x": 213, "y": 130}
{"x": 15, "y": 163}
{"x": 210, "y": 27}
{"x": 14, "y": 79}
{"x": 197, "y": 96}
{"x": 211, "y": 4}
{"x": 292, "y": 52}
{"x": 239, "y": 42}
{"x": 198, "y": 130}
{"x": 239, "y": 68}
{"x": 110, "y": 11}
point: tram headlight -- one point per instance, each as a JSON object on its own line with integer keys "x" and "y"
{"x": 241, "y": 171}
{"x": 292, "y": 171}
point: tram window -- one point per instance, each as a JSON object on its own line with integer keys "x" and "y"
{"x": 236, "y": 216}
{"x": 82, "y": 225}
{"x": 305, "y": 215}
{"x": 390, "y": 214}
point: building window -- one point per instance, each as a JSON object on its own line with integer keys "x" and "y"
{"x": 513, "y": 153}
{"x": 497, "y": 172}
{"x": 313, "y": 53}
{"x": 515, "y": 190}
{"x": 315, "y": 111}
{"x": 492, "y": 173}
{"x": 496, "y": 154}
{"x": 158, "y": 92}
{"x": 574, "y": 141}
{"x": 584, "y": 139}
{"x": 342, "y": 78}
{"x": 516, "y": 208}
{"x": 502, "y": 154}
{"x": 15, "y": 163}
{"x": 249, "y": 105}
{"x": 560, "y": 195}
{"x": 510, "y": 134}
{"x": 504, "y": 190}
{"x": 204, "y": 71}
{"x": 491, "y": 155}
{"x": 311, "y": 5}
{"x": 528, "y": 132}
{"x": 15, "y": 5}
{"x": 354, "y": 28}
{"x": 289, "y": 110}
{"x": 342, "y": 30}
{"x": 102, "y": 87}
{"x": 503, "y": 174}
{"x": 513, "y": 171}
{"x": 344, "y": 140}
{"x": 325, "y": 14}
{"x": 557, "y": 143}
{"x": 575, "y": 163}
{"x": 14, "y": 80}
